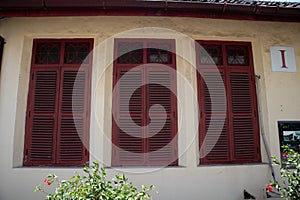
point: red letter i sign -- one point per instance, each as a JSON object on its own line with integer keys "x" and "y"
{"x": 283, "y": 59}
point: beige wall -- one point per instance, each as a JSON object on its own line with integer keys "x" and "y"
{"x": 279, "y": 96}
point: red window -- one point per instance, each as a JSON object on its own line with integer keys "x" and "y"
{"x": 144, "y": 127}
{"x": 57, "y": 118}
{"x": 228, "y": 131}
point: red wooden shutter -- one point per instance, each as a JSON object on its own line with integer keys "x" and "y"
{"x": 128, "y": 121}
{"x": 73, "y": 110}
{"x": 162, "y": 130}
{"x": 57, "y": 121}
{"x": 238, "y": 141}
{"x": 244, "y": 117}
{"x": 215, "y": 142}
{"x": 42, "y": 117}
{"x": 139, "y": 140}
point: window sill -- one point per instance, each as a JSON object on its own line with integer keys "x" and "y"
{"x": 233, "y": 165}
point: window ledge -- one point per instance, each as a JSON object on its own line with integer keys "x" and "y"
{"x": 233, "y": 165}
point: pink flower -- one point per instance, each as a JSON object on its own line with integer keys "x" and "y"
{"x": 269, "y": 187}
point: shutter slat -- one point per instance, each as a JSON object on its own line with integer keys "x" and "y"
{"x": 244, "y": 142}
{"x": 42, "y": 138}
{"x": 161, "y": 144}
{"x": 240, "y": 91}
{"x": 73, "y": 91}
{"x": 216, "y": 142}
{"x": 214, "y": 87}
{"x": 130, "y": 91}
{"x": 45, "y": 91}
{"x": 71, "y": 147}
{"x": 159, "y": 90}
{"x": 130, "y": 140}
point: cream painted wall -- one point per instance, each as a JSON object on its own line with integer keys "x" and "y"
{"x": 279, "y": 97}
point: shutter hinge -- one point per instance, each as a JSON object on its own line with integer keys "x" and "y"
{"x": 200, "y": 114}
{"x": 257, "y": 150}
{"x": 85, "y": 152}
{"x": 29, "y": 113}
{"x": 32, "y": 76}
{"x": 174, "y": 114}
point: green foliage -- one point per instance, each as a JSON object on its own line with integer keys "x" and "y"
{"x": 290, "y": 174}
{"x": 94, "y": 186}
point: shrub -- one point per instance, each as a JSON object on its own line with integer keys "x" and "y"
{"x": 290, "y": 174}
{"x": 93, "y": 185}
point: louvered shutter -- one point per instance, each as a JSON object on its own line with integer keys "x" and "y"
{"x": 144, "y": 135}
{"x": 73, "y": 111}
{"x": 231, "y": 135}
{"x": 42, "y": 117}
{"x": 215, "y": 141}
{"x": 244, "y": 118}
{"x": 57, "y": 121}
{"x": 162, "y": 129}
{"x": 128, "y": 135}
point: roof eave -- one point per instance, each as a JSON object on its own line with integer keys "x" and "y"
{"x": 150, "y": 8}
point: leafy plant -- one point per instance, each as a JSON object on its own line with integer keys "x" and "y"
{"x": 290, "y": 174}
{"x": 94, "y": 186}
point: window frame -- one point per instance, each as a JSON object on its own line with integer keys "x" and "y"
{"x": 60, "y": 67}
{"x": 227, "y": 69}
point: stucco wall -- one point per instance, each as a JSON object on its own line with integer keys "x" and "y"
{"x": 279, "y": 97}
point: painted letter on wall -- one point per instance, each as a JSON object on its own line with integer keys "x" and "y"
{"x": 283, "y": 59}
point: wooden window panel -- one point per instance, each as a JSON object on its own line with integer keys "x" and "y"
{"x": 217, "y": 141}
{"x": 142, "y": 147}
{"x": 244, "y": 117}
{"x": 238, "y": 141}
{"x": 71, "y": 116}
{"x": 58, "y": 106}
{"x": 42, "y": 117}
{"x": 129, "y": 148}
{"x": 162, "y": 148}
